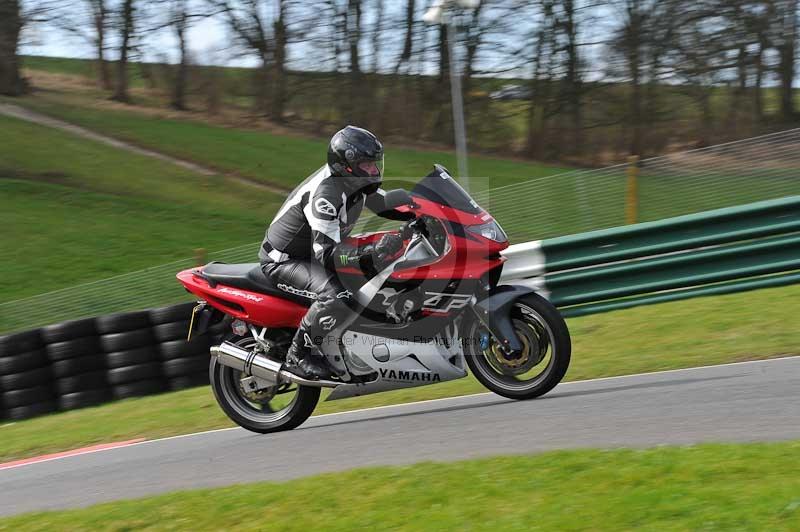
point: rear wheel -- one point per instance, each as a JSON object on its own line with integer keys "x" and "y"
{"x": 545, "y": 355}
{"x": 272, "y": 409}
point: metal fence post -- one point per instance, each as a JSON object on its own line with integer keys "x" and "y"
{"x": 632, "y": 191}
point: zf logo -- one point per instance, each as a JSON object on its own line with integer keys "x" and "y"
{"x": 437, "y": 302}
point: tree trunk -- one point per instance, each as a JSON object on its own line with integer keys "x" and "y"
{"x": 573, "y": 80}
{"x": 408, "y": 43}
{"x": 536, "y": 107}
{"x": 539, "y": 110}
{"x": 376, "y": 37}
{"x": 100, "y": 19}
{"x": 473, "y": 42}
{"x": 634, "y": 44}
{"x": 741, "y": 88}
{"x": 353, "y": 30}
{"x": 121, "y": 90}
{"x": 179, "y": 90}
{"x": 279, "y": 70}
{"x": 443, "y": 124}
{"x": 11, "y": 82}
{"x": 786, "y": 67}
{"x": 758, "y": 103}
{"x": 261, "y": 79}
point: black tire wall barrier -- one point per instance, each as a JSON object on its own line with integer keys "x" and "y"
{"x": 87, "y": 362}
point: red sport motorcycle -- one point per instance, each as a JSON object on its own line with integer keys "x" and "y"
{"x": 433, "y": 311}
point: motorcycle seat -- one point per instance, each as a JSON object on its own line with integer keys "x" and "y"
{"x": 246, "y": 276}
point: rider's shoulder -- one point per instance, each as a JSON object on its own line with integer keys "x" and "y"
{"x": 330, "y": 188}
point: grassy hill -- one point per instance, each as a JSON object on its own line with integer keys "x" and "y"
{"x": 74, "y": 210}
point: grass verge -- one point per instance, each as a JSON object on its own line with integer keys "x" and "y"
{"x": 708, "y": 487}
{"x": 674, "y": 335}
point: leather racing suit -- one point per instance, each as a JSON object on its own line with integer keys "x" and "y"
{"x": 302, "y": 244}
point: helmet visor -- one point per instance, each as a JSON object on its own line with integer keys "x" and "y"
{"x": 371, "y": 168}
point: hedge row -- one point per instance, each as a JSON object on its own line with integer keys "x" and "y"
{"x": 91, "y": 361}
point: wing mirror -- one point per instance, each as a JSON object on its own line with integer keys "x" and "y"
{"x": 397, "y": 198}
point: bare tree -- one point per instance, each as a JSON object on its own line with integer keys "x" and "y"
{"x": 279, "y": 79}
{"x": 126, "y": 29}
{"x": 573, "y": 82}
{"x": 377, "y": 32}
{"x": 787, "y": 50}
{"x": 408, "y": 41}
{"x": 89, "y": 20}
{"x": 180, "y": 17}
{"x": 11, "y": 21}
{"x": 262, "y": 32}
{"x": 544, "y": 53}
{"x": 99, "y": 12}
{"x": 474, "y": 29}
{"x": 358, "y": 96}
{"x": 641, "y": 39}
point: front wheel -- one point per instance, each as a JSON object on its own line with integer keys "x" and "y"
{"x": 545, "y": 355}
{"x": 272, "y": 409}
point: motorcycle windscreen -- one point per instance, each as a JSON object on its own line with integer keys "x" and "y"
{"x": 440, "y": 187}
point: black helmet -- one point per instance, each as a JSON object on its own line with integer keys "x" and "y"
{"x": 356, "y": 156}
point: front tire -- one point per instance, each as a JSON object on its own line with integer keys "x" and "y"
{"x": 274, "y": 409}
{"x": 546, "y": 351}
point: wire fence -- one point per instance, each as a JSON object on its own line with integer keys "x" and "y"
{"x": 745, "y": 171}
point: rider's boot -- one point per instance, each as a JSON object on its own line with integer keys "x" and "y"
{"x": 305, "y": 359}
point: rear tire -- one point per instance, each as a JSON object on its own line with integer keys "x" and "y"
{"x": 545, "y": 324}
{"x": 246, "y": 414}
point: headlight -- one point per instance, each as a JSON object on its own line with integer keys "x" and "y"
{"x": 490, "y": 230}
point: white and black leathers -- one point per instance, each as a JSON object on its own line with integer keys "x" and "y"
{"x": 301, "y": 245}
{"x": 316, "y": 217}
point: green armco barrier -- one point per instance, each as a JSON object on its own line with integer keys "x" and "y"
{"x": 730, "y": 287}
{"x": 709, "y": 253}
{"x": 729, "y": 262}
{"x": 733, "y": 224}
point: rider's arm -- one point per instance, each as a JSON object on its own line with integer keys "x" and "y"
{"x": 376, "y": 203}
{"x": 322, "y": 213}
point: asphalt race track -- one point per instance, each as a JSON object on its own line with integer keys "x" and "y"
{"x": 751, "y": 401}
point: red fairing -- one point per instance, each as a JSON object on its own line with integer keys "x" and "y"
{"x": 470, "y": 256}
{"x": 252, "y": 307}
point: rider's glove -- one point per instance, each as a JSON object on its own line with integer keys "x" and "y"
{"x": 389, "y": 245}
{"x": 371, "y": 257}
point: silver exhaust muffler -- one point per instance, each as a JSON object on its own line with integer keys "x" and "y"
{"x": 266, "y": 369}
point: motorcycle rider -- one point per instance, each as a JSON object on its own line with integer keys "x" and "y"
{"x": 303, "y": 243}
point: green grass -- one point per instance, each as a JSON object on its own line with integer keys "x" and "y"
{"x": 34, "y": 152}
{"x": 704, "y": 487}
{"x": 60, "y": 65}
{"x": 683, "y": 334}
{"x": 84, "y": 235}
{"x": 88, "y": 211}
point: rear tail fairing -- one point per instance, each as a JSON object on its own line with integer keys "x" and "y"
{"x": 252, "y": 307}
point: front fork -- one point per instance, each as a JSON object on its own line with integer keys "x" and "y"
{"x": 494, "y": 312}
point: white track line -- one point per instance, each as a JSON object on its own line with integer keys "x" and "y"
{"x": 401, "y": 405}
